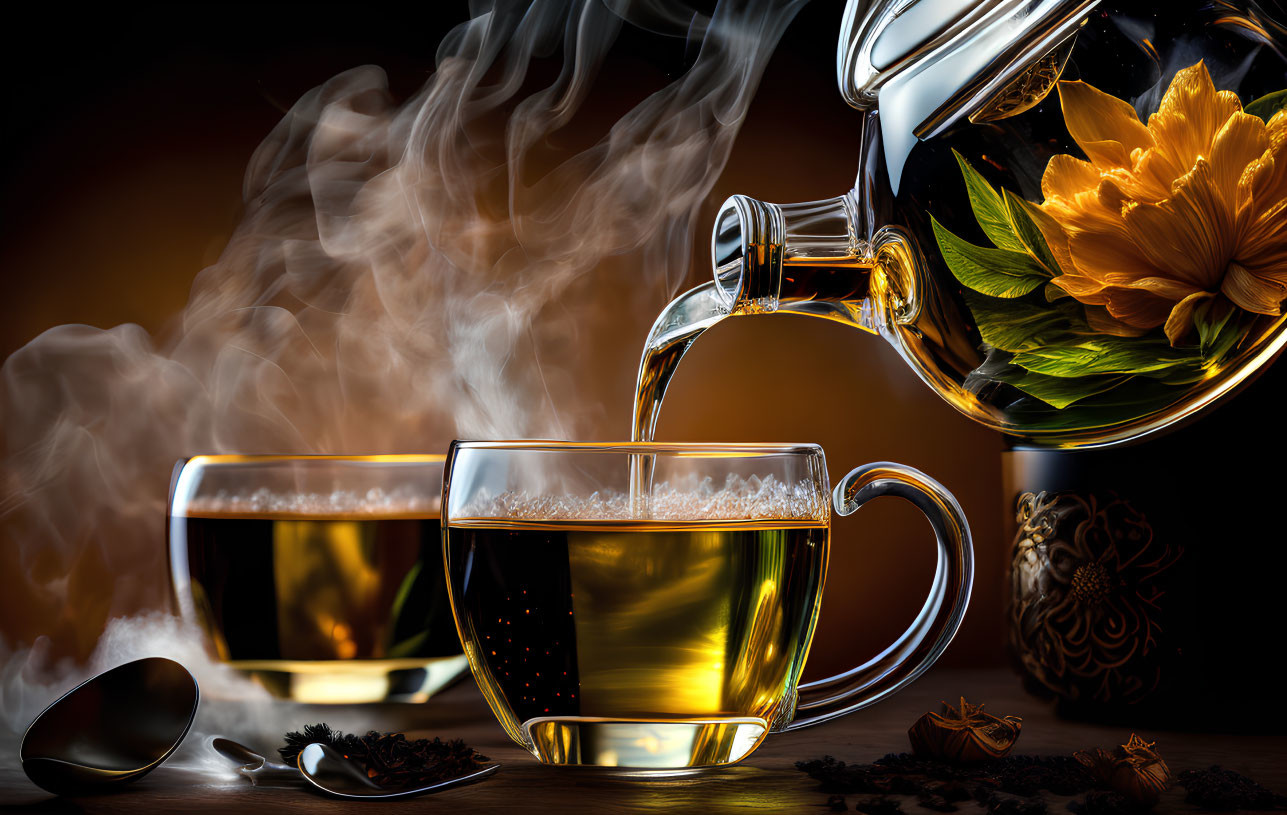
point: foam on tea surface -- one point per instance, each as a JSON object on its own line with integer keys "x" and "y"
{"x": 691, "y": 499}
{"x": 401, "y": 501}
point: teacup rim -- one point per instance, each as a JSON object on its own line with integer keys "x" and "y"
{"x": 270, "y": 458}
{"x": 681, "y": 449}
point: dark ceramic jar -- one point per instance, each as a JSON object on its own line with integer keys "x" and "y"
{"x": 1147, "y": 582}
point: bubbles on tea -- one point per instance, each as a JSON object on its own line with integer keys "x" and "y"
{"x": 686, "y": 499}
{"x": 375, "y": 502}
{"x": 740, "y": 497}
{"x": 523, "y": 506}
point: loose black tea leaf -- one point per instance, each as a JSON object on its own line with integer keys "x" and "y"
{"x": 1103, "y": 802}
{"x": 907, "y": 774}
{"x": 878, "y": 806}
{"x": 1010, "y": 805}
{"x": 390, "y": 759}
{"x": 837, "y": 776}
{"x": 1227, "y": 791}
{"x": 319, "y": 733}
{"x": 937, "y": 803}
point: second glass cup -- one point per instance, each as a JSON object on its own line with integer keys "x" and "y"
{"x": 650, "y": 606}
{"x": 319, "y": 576}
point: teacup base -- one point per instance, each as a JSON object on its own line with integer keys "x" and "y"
{"x": 648, "y": 745}
{"x": 354, "y": 681}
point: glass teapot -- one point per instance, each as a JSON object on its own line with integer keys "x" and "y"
{"x": 1070, "y": 216}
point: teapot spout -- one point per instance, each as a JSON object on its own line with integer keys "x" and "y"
{"x": 805, "y": 258}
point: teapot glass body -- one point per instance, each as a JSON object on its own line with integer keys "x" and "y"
{"x": 1070, "y": 217}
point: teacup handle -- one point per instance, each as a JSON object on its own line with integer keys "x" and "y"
{"x": 940, "y": 617}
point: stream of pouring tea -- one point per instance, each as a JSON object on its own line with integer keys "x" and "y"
{"x": 405, "y": 273}
{"x": 836, "y": 290}
{"x": 676, "y": 329}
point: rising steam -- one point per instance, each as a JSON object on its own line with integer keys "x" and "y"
{"x": 404, "y": 274}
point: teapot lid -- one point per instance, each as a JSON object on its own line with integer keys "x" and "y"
{"x": 929, "y": 63}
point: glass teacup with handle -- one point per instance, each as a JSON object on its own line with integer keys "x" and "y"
{"x": 649, "y": 607}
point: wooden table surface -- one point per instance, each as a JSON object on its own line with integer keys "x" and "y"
{"x": 765, "y": 782}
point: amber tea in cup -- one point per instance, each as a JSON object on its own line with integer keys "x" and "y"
{"x": 664, "y": 626}
{"x": 321, "y": 577}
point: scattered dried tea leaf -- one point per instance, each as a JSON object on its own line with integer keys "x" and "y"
{"x": 937, "y": 783}
{"x": 937, "y": 803}
{"x": 1224, "y": 790}
{"x": 1104, "y": 802}
{"x": 320, "y": 733}
{"x": 1009, "y": 805}
{"x": 837, "y": 776}
{"x": 390, "y": 759}
{"x": 1127, "y": 780}
{"x": 878, "y": 806}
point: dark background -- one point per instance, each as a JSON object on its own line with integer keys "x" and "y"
{"x": 127, "y": 133}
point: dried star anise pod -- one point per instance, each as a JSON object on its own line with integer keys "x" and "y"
{"x": 964, "y": 734}
{"x": 1134, "y": 770}
{"x": 1100, "y": 763}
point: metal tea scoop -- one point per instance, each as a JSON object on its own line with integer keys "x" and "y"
{"x": 112, "y": 729}
{"x": 253, "y": 766}
{"x": 332, "y": 773}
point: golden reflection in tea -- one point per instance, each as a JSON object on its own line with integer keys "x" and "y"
{"x": 332, "y": 608}
{"x": 637, "y": 644}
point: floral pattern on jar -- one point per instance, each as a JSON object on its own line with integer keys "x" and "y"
{"x": 1086, "y": 596}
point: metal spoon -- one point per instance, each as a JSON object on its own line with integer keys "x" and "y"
{"x": 333, "y": 774}
{"x": 254, "y": 766}
{"x": 112, "y": 729}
